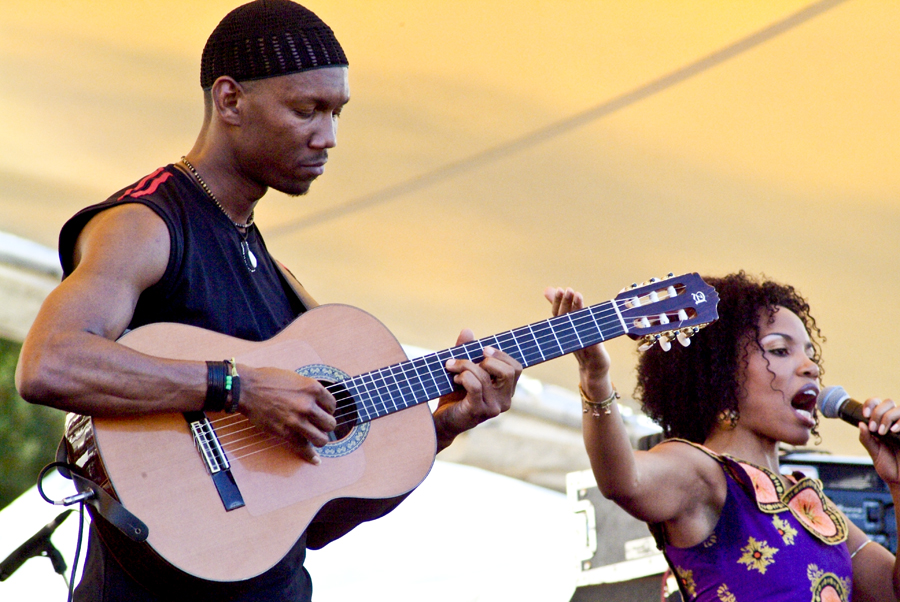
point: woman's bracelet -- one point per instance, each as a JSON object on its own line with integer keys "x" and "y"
{"x": 594, "y": 407}
{"x": 861, "y": 546}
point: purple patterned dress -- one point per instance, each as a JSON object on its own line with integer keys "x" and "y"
{"x": 769, "y": 544}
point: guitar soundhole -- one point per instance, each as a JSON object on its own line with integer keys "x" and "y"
{"x": 346, "y": 414}
{"x": 350, "y": 433}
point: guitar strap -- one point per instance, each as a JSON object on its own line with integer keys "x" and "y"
{"x": 102, "y": 502}
{"x": 294, "y": 284}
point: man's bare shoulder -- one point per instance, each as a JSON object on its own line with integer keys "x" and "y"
{"x": 129, "y": 241}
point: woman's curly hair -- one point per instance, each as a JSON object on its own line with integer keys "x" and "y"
{"x": 686, "y": 389}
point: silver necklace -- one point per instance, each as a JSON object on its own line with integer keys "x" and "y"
{"x": 249, "y": 258}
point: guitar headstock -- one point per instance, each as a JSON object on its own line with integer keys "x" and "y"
{"x": 662, "y": 311}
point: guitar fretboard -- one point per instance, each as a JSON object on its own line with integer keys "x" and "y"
{"x": 406, "y": 384}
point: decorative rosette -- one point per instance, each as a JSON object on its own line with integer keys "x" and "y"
{"x": 805, "y": 500}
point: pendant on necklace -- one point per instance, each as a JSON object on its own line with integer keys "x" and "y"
{"x": 249, "y": 257}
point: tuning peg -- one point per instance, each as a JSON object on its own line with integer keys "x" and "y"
{"x": 652, "y": 280}
{"x": 684, "y": 335}
{"x": 670, "y": 275}
{"x": 648, "y": 341}
{"x": 665, "y": 344}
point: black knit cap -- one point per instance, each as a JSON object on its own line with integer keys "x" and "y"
{"x": 268, "y": 38}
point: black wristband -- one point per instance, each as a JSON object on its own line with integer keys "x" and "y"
{"x": 215, "y": 387}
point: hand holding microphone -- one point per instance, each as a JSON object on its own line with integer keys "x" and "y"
{"x": 834, "y": 402}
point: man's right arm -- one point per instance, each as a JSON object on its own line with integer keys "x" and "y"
{"x": 70, "y": 359}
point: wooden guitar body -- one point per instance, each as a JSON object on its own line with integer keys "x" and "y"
{"x": 385, "y": 442}
{"x": 157, "y": 473}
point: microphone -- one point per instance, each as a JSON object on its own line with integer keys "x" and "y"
{"x": 37, "y": 545}
{"x": 834, "y": 402}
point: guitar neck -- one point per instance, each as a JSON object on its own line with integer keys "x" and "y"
{"x": 400, "y": 386}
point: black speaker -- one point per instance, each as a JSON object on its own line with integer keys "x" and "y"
{"x": 855, "y": 488}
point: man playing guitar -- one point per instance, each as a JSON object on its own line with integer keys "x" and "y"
{"x": 180, "y": 246}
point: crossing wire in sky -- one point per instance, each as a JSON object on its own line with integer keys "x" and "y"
{"x": 554, "y": 130}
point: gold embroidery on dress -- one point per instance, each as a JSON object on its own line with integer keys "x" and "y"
{"x": 807, "y": 502}
{"x": 827, "y": 587}
{"x": 768, "y": 487}
{"x": 787, "y": 532}
{"x": 724, "y": 594}
{"x": 804, "y": 499}
{"x": 757, "y": 555}
{"x": 687, "y": 580}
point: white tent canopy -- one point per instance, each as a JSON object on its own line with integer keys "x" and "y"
{"x": 492, "y": 148}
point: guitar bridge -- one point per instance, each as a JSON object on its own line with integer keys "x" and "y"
{"x": 208, "y": 445}
{"x": 215, "y": 460}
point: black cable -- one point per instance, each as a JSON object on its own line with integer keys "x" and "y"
{"x": 77, "y": 551}
{"x": 68, "y": 501}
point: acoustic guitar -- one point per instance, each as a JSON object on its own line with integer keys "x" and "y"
{"x": 225, "y": 501}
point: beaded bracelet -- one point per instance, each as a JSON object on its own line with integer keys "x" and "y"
{"x": 594, "y": 407}
{"x": 233, "y": 386}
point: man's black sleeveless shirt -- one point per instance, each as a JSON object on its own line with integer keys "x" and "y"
{"x": 207, "y": 283}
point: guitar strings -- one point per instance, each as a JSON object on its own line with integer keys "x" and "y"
{"x": 236, "y": 425}
{"x": 602, "y": 315}
{"x": 253, "y": 437}
{"x": 383, "y": 386}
